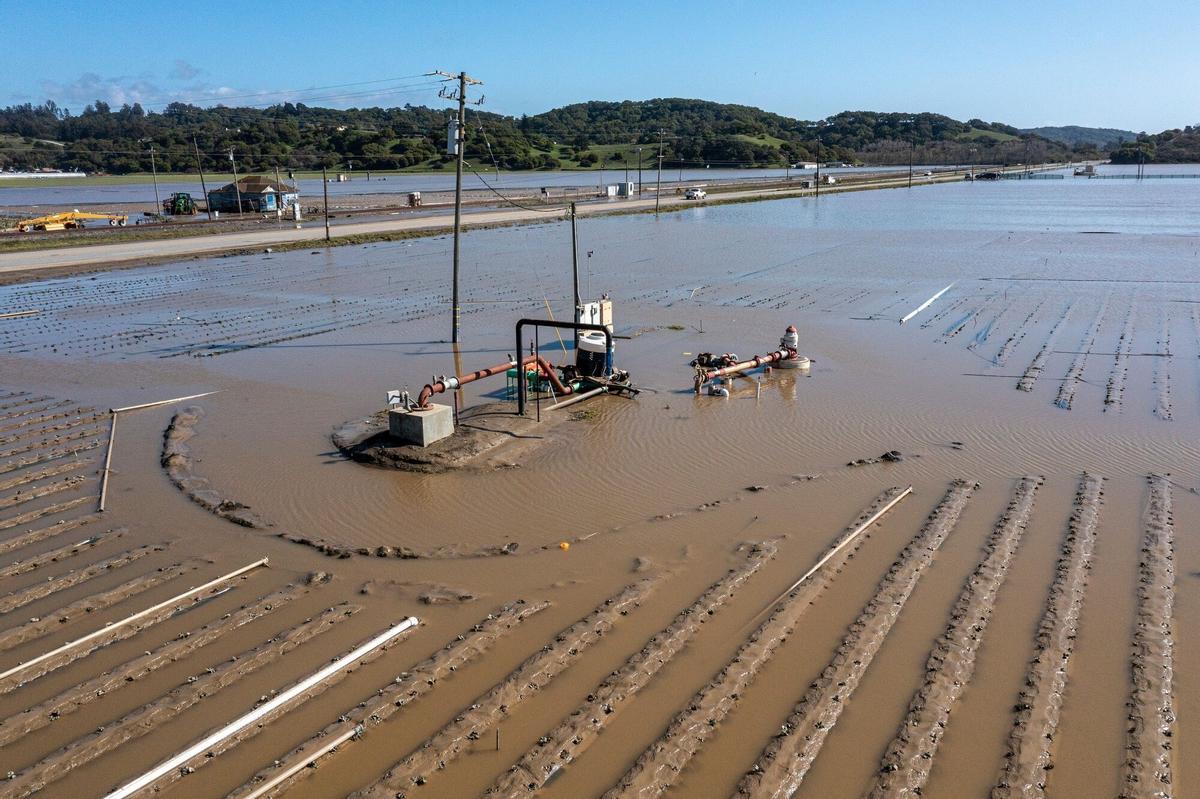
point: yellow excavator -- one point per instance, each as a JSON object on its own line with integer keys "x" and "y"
{"x": 68, "y": 220}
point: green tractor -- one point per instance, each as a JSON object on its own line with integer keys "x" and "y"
{"x": 179, "y": 204}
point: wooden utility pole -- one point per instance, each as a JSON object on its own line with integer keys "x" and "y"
{"x": 817, "y": 193}
{"x": 236, "y": 188}
{"x": 460, "y": 138}
{"x": 154, "y": 172}
{"x": 325, "y": 189}
{"x": 658, "y": 183}
{"x": 203, "y": 185}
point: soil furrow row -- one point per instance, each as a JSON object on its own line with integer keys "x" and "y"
{"x": 76, "y": 413}
{"x": 51, "y": 510}
{"x": 1017, "y": 336}
{"x": 19, "y": 599}
{"x": 46, "y": 457}
{"x": 1039, "y": 707}
{"x": 786, "y": 760}
{"x": 906, "y": 764}
{"x": 1066, "y": 389}
{"x": 409, "y": 686}
{"x": 74, "y": 698}
{"x": 580, "y": 729}
{"x": 146, "y": 718}
{"x": 1115, "y": 390}
{"x": 1038, "y": 364}
{"x": 527, "y": 680}
{"x": 52, "y": 471}
{"x": 37, "y": 492}
{"x": 109, "y": 637}
{"x": 42, "y": 431}
{"x": 55, "y": 555}
{"x": 36, "y": 446}
{"x": 961, "y": 324}
{"x": 246, "y": 733}
{"x": 23, "y": 401}
{"x": 944, "y": 312}
{"x": 657, "y": 768}
{"x": 38, "y": 627}
{"x": 1148, "y": 769}
{"x": 42, "y": 533}
{"x": 1162, "y": 371}
{"x": 40, "y": 408}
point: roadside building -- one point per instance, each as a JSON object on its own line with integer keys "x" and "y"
{"x": 258, "y": 194}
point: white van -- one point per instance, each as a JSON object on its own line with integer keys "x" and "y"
{"x": 696, "y": 194}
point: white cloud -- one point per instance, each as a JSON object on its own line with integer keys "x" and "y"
{"x": 89, "y": 87}
{"x": 184, "y": 71}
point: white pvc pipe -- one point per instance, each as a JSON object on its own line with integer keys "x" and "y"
{"x": 300, "y": 765}
{"x": 926, "y": 304}
{"x": 234, "y": 727}
{"x": 857, "y": 532}
{"x": 160, "y": 402}
{"x": 139, "y": 615}
{"x": 112, "y": 437}
{"x": 579, "y": 397}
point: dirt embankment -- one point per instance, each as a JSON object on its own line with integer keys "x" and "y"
{"x": 1038, "y": 709}
{"x": 784, "y": 763}
{"x": 407, "y": 688}
{"x": 1148, "y": 770}
{"x": 575, "y": 733}
{"x": 660, "y": 765}
{"x": 526, "y": 681}
{"x": 177, "y": 460}
{"x": 951, "y": 665}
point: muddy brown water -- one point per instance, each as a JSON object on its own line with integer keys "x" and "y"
{"x": 297, "y": 343}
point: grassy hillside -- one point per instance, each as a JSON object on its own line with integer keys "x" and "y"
{"x": 1072, "y": 135}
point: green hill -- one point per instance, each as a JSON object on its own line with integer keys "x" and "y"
{"x": 1071, "y": 135}
{"x": 584, "y": 135}
{"x": 1178, "y": 146}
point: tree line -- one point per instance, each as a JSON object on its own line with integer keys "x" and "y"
{"x": 103, "y": 139}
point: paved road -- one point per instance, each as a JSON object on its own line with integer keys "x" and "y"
{"x": 167, "y": 249}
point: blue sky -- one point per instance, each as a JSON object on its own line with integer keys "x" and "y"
{"x": 1053, "y": 62}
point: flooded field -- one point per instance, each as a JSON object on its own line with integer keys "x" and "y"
{"x": 750, "y": 602}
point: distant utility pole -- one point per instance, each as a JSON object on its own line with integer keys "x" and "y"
{"x": 460, "y": 138}
{"x": 912, "y": 145}
{"x": 325, "y": 189}
{"x": 154, "y": 172}
{"x": 818, "y": 178}
{"x": 639, "y": 171}
{"x": 658, "y": 185}
{"x": 236, "y": 188}
{"x": 203, "y": 185}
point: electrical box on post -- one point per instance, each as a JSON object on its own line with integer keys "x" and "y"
{"x": 452, "y": 138}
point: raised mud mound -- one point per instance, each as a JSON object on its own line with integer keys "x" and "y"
{"x": 177, "y": 460}
{"x": 481, "y": 431}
